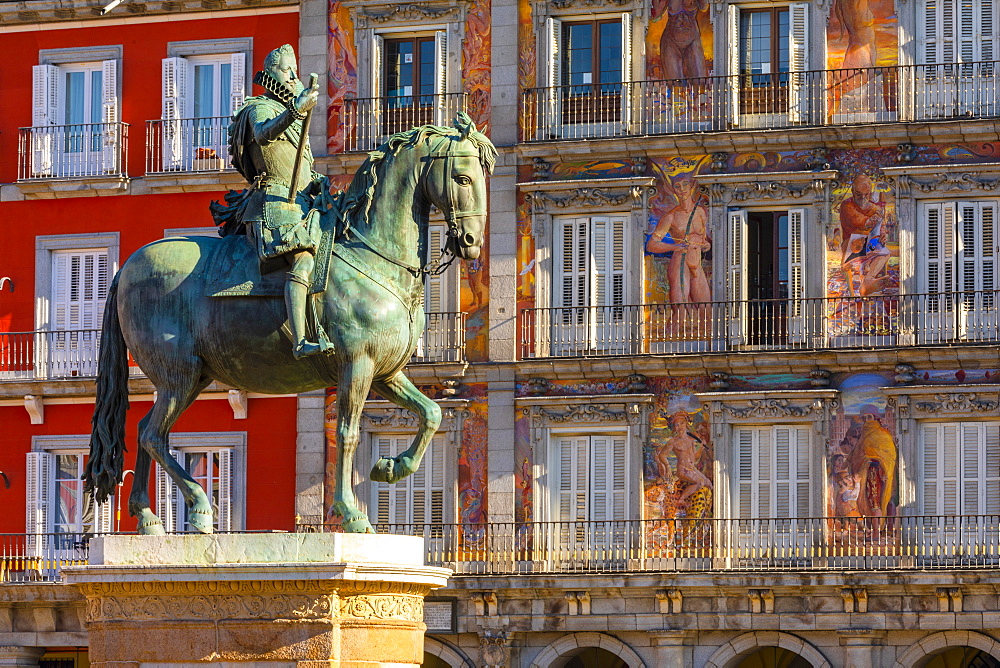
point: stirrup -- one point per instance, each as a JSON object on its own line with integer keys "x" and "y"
{"x": 305, "y": 348}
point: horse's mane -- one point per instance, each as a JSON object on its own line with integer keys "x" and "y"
{"x": 356, "y": 201}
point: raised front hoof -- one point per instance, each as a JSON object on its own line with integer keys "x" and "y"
{"x": 384, "y": 470}
{"x": 357, "y": 524}
{"x": 202, "y": 521}
{"x": 150, "y": 524}
{"x": 305, "y": 349}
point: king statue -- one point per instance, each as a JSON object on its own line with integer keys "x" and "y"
{"x": 269, "y": 146}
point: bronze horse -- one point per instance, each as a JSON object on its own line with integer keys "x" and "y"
{"x": 371, "y": 309}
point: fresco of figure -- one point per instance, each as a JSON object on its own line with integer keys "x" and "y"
{"x": 681, "y": 52}
{"x": 683, "y": 233}
{"x": 863, "y": 230}
{"x": 857, "y": 22}
{"x": 688, "y": 449}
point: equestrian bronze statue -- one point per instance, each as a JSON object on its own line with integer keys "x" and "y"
{"x": 196, "y": 309}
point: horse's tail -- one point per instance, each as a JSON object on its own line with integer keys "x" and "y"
{"x": 105, "y": 467}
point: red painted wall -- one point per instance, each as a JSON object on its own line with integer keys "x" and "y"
{"x": 271, "y": 424}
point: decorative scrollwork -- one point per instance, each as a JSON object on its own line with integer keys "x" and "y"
{"x": 947, "y": 182}
{"x": 596, "y": 197}
{"x": 408, "y": 13}
{"x": 775, "y": 190}
{"x": 576, "y": 413}
{"x": 771, "y": 408}
{"x": 956, "y": 402}
{"x": 381, "y": 606}
{"x": 392, "y": 417}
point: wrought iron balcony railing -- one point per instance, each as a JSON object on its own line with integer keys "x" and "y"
{"x": 777, "y": 100}
{"x": 369, "y": 121}
{"x": 26, "y": 558}
{"x": 187, "y": 145}
{"x": 960, "y": 318}
{"x": 774, "y": 544}
{"x": 443, "y": 339}
{"x": 83, "y": 150}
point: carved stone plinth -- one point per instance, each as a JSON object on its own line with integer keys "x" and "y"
{"x": 332, "y": 600}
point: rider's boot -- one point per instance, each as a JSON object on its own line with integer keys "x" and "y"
{"x": 296, "y": 295}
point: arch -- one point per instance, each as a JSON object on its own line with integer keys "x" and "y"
{"x": 574, "y": 641}
{"x": 447, "y": 652}
{"x": 748, "y": 642}
{"x": 942, "y": 640}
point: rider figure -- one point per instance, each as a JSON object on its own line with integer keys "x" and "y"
{"x": 264, "y": 138}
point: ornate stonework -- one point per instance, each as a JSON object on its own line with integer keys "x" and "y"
{"x": 772, "y": 408}
{"x": 956, "y": 402}
{"x": 383, "y": 606}
{"x": 947, "y": 182}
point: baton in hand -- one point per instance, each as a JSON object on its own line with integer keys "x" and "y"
{"x": 303, "y": 141}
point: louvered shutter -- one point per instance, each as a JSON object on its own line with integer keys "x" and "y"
{"x": 774, "y": 473}
{"x": 168, "y": 497}
{"x": 80, "y": 282}
{"x": 224, "y": 516}
{"x": 976, "y": 267}
{"x": 438, "y": 336}
{"x": 939, "y": 276}
{"x": 571, "y": 326}
{"x": 930, "y": 444}
{"x": 39, "y": 482}
{"x": 418, "y": 498}
{"x": 735, "y": 49}
{"x": 798, "y": 62}
{"x": 796, "y": 284}
{"x": 551, "y": 126}
{"x": 175, "y": 102}
{"x": 627, "y": 97}
{"x": 574, "y": 470}
{"x": 237, "y": 81}
{"x": 607, "y": 491}
{"x": 383, "y": 448}
{"x": 104, "y": 516}
{"x": 44, "y": 111}
{"x": 441, "y": 110}
{"x": 736, "y": 284}
{"x": 111, "y": 152}
{"x": 991, "y": 471}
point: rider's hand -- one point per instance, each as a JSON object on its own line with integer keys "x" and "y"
{"x": 307, "y": 99}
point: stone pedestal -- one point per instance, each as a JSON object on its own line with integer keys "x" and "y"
{"x": 332, "y": 600}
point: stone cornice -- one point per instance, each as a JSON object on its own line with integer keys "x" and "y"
{"x": 572, "y": 399}
{"x": 938, "y": 178}
{"x": 777, "y": 177}
{"x": 30, "y": 12}
{"x": 543, "y": 196}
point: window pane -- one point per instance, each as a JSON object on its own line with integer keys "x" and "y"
{"x": 74, "y": 97}
{"x": 579, "y": 54}
{"x": 399, "y": 69}
{"x": 426, "y": 69}
{"x": 610, "y": 62}
{"x": 225, "y": 88}
{"x": 782, "y": 57}
{"x": 204, "y": 86}
{"x": 96, "y": 97}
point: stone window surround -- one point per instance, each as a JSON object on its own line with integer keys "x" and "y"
{"x": 768, "y": 191}
{"x": 211, "y": 47}
{"x": 383, "y": 418}
{"x": 759, "y": 408}
{"x": 590, "y": 414}
{"x": 45, "y": 245}
{"x": 388, "y": 18}
{"x": 585, "y": 197}
{"x": 932, "y": 403}
{"x": 85, "y": 54}
{"x": 919, "y": 184}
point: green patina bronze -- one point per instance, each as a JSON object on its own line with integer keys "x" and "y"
{"x": 371, "y": 258}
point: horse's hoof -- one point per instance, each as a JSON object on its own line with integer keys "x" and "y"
{"x": 201, "y": 521}
{"x": 384, "y": 470}
{"x": 358, "y": 524}
{"x": 150, "y": 525}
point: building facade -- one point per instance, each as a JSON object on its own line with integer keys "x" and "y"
{"x": 721, "y": 390}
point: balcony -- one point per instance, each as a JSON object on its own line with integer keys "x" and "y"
{"x": 960, "y": 318}
{"x": 370, "y": 121}
{"x": 443, "y": 339}
{"x": 72, "y": 160}
{"x": 780, "y": 100}
{"x": 190, "y": 155}
{"x": 30, "y": 558}
{"x": 700, "y": 545}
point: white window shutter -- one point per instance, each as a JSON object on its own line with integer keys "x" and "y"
{"x": 746, "y": 442}
{"x": 441, "y": 77}
{"x": 104, "y": 516}
{"x": 40, "y": 482}
{"x": 175, "y": 87}
{"x": 735, "y": 50}
{"x": 434, "y": 462}
{"x": 237, "y": 80}
{"x": 626, "y": 92}
{"x": 371, "y": 127}
{"x": 784, "y": 471}
{"x": 736, "y": 284}
{"x": 601, "y": 485}
{"x": 972, "y": 489}
{"x": 553, "y": 79}
{"x": 803, "y": 472}
{"x": 167, "y": 497}
{"x": 929, "y": 31}
{"x": 950, "y": 470}
{"x": 224, "y": 521}
{"x": 931, "y": 446}
{"x": 44, "y": 111}
{"x": 564, "y": 491}
{"x": 991, "y": 468}
{"x": 938, "y": 279}
{"x": 796, "y": 285}
{"x": 381, "y": 492}
{"x": 111, "y": 153}
{"x": 619, "y": 477}
{"x": 798, "y": 61}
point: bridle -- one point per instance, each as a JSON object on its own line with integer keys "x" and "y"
{"x": 435, "y": 267}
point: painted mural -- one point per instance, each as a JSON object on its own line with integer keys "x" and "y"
{"x": 679, "y": 40}
{"x": 861, "y": 462}
{"x": 342, "y": 74}
{"x": 862, "y": 50}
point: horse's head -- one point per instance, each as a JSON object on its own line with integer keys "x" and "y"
{"x": 455, "y": 182}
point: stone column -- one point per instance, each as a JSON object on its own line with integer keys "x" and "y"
{"x": 673, "y": 648}
{"x": 310, "y": 455}
{"x": 861, "y": 647}
{"x": 308, "y": 600}
{"x": 12, "y": 655}
{"x": 313, "y": 31}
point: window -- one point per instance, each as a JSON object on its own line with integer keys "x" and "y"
{"x": 75, "y": 130}
{"x": 200, "y": 94}
{"x": 589, "y": 282}
{"x": 443, "y": 337}
{"x": 589, "y": 67}
{"x": 768, "y": 46}
{"x": 765, "y": 276}
{"x": 958, "y": 245}
{"x": 417, "y": 499}
{"x": 958, "y": 31}
{"x": 961, "y": 469}
{"x": 773, "y": 472}
{"x": 80, "y": 280}
{"x": 216, "y": 462}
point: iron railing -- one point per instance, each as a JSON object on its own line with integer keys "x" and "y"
{"x": 188, "y": 145}
{"x": 369, "y": 121}
{"x": 777, "y": 100}
{"x": 775, "y": 544}
{"x": 959, "y": 318}
{"x": 443, "y": 339}
{"x": 81, "y": 150}
{"x": 41, "y": 557}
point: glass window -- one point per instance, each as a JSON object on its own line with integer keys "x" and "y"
{"x": 409, "y": 70}
{"x": 764, "y": 41}
{"x": 593, "y": 53}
